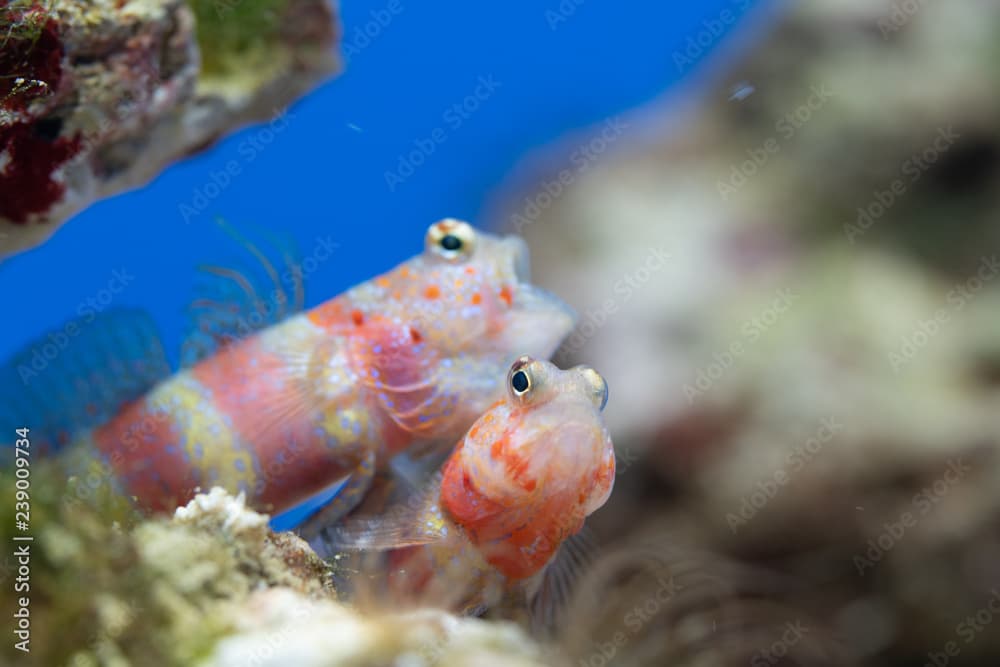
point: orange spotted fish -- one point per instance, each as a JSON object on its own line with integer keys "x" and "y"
{"x": 519, "y": 484}
{"x": 407, "y": 360}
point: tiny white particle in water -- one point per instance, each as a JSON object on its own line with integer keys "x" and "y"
{"x": 741, "y": 91}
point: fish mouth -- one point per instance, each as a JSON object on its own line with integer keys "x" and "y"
{"x": 538, "y": 321}
{"x": 519, "y": 257}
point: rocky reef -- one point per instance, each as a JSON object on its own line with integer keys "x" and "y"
{"x": 793, "y": 289}
{"x": 210, "y": 586}
{"x": 99, "y": 97}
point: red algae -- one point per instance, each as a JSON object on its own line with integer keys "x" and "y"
{"x": 27, "y": 183}
{"x": 32, "y": 148}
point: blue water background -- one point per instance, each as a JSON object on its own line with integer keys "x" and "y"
{"x": 321, "y": 171}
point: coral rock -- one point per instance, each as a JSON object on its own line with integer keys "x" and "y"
{"x": 99, "y": 97}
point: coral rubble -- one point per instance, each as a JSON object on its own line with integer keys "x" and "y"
{"x": 211, "y": 586}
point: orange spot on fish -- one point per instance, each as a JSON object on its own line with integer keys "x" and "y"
{"x": 477, "y": 299}
{"x": 415, "y": 335}
{"x": 498, "y": 448}
{"x": 458, "y": 283}
{"x": 432, "y": 292}
{"x": 470, "y": 270}
{"x": 382, "y": 281}
{"x": 357, "y": 317}
{"x": 516, "y": 466}
{"x": 396, "y": 296}
{"x": 327, "y": 314}
{"x": 506, "y": 295}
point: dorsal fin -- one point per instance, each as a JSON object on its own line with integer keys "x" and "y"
{"x": 80, "y": 375}
{"x": 233, "y": 302}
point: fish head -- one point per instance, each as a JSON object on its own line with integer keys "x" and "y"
{"x": 469, "y": 307}
{"x": 469, "y": 292}
{"x": 537, "y": 463}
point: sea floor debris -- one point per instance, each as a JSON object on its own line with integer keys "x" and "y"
{"x": 213, "y": 586}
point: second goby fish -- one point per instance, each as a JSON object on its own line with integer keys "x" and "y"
{"x": 511, "y": 496}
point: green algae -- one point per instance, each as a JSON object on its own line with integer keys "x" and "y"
{"x": 24, "y": 20}
{"x": 110, "y": 587}
{"x": 26, "y": 72}
{"x": 237, "y": 34}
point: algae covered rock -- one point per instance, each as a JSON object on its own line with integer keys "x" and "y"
{"x": 213, "y": 585}
{"x": 99, "y": 97}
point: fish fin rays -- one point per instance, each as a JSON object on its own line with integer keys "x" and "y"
{"x": 559, "y": 581}
{"x": 411, "y": 518}
{"x": 297, "y": 401}
{"x": 81, "y": 374}
{"x": 404, "y": 375}
{"x": 232, "y": 303}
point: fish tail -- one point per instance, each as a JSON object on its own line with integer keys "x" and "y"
{"x": 79, "y": 375}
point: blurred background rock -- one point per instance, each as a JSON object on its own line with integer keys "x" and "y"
{"x": 809, "y": 382}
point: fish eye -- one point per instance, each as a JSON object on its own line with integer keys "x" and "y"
{"x": 519, "y": 382}
{"x": 520, "y": 379}
{"x": 451, "y": 239}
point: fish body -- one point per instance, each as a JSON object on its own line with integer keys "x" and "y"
{"x": 518, "y": 485}
{"x": 409, "y": 358}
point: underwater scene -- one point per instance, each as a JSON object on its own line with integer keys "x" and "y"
{"x": 563, "y": 333}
